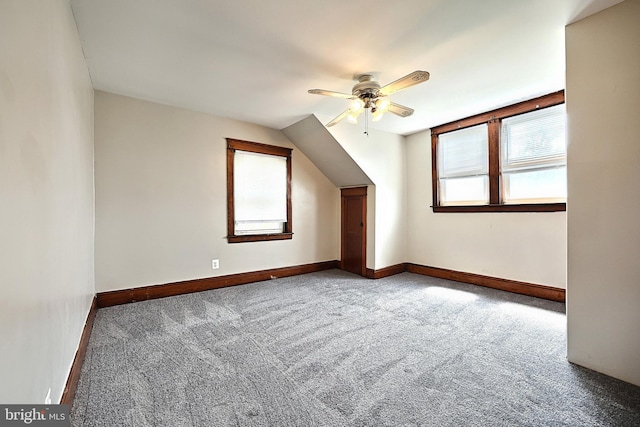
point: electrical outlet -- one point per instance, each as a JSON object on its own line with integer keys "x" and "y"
{"x": 215, "y": 264}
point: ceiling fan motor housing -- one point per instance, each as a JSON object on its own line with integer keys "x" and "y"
{"x": 366, "y": 89}
{"x": 366, "y": 86}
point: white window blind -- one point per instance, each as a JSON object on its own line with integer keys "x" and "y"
{"x": 534, "y": 156}
{"x": 260, "y": 193}
{"x": 463, "y": 166}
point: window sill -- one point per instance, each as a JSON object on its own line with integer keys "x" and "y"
{"x": 259, "y": 237}
{"x": 530, "y": 207}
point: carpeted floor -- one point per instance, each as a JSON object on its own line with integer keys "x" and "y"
{"x": 334, "y": 349}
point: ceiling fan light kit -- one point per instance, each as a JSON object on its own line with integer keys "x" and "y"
{"x": 367, "y": 94}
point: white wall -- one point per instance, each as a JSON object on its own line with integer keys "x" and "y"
{"x": 46, "y": 192}
{"x": 161, "y": 191}
{"x": 528, "y": 247}
{"x": 381, "y": 156}
{"x": 603, "y": 104}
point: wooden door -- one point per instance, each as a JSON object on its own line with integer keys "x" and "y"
{"x": 354, "y": 230}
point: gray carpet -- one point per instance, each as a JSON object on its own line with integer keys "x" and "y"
{"x": 334, "y": 349}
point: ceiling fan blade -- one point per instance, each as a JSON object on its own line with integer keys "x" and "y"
{"x": 338, "y": 119}
{"x": 400, "y": 110}
{"x": 330, "y": 93}
{"x": 405, "y": 82}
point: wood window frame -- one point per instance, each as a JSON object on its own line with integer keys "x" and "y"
{"x": 493, "y": 119}
{"x": 255, "y": 147}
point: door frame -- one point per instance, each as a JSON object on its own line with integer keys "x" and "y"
{"x": 344, "y": 194}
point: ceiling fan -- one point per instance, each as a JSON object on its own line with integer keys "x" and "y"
{"x": 368, "y": 93}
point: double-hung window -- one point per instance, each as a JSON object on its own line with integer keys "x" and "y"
{"x": 258, "y": 192}
{"x": 463, "y": 166}
{"x": 508, "y": 160}
{"x": 534, "y": 156}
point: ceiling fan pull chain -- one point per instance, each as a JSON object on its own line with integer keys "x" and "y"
{"x": 366, "y": 122}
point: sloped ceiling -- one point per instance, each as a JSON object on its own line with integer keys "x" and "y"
{"x": 254, "y": 60}
{"x": 310, "y": 136}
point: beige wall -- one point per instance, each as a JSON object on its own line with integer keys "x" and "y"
{"x": 161, "y": 196}
{"x": 46, "y": 192}
{"x": 381, "y": 156}
{"x": 528, "y": 247}
{"x": 603, "y": 104}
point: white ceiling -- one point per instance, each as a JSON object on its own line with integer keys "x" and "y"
{"x": 254, "y": 60}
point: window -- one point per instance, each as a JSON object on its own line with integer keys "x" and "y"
{"x": 534, "y": 156}
{"x": 258, "y": 192}
{"x": 463, "y": 165}
{"x": 508, "y": 160}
